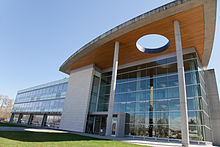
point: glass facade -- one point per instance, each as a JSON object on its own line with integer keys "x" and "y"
{"x": 40, "y": 106}
{"x": 37, "y": 120}
{"x": 15, "y": 119}
{"x": 53, "y": 121}
{"x": 149, "y": 95}
{"x": 24, "y": 119}
{"x": 41, "y": 100}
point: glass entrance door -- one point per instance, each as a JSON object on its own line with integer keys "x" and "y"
{"x": 114, "y": 128}
{"x": 114, "y": 125}
{"x": 96, "y": 124}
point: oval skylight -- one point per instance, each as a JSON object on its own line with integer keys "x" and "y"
{"x": 152, "y": 43}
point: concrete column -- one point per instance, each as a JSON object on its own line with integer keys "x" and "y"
{"x": 30, "y": 119}
{"x": 112, "y": 90}
{"x": 182, "y": 86}
{"x": 19, "y": 118}
{"x": 11, "y": 118}
{"x": 44, "y": 120}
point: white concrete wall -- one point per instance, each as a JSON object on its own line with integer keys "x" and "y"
{"x": 77, "y": 99}
{"x": 214, "y": 104}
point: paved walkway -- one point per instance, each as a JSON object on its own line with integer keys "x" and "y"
{"x": 30, "y": 129}
{"x": 124, "y": 139}
{"x": 139, "y": 141}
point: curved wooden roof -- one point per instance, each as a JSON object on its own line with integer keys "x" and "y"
{"x": 197, "y": 24}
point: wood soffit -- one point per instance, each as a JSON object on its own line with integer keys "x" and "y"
{"x": 192, "y": 35}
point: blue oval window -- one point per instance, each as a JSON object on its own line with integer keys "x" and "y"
{"x": 152, "y": 43}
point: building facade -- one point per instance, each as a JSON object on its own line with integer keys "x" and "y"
{"x": 148, "y": 95}
{"x": 40, "y": 105}
{"x": 118, "y": 87}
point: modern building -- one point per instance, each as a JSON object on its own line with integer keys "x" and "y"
{"x": 40, "y": 105}
{"x": 117, "y": 86}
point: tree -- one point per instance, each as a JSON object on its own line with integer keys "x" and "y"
{"x": 5, "y": 107}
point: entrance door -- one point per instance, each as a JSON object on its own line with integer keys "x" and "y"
{"x": 114, "y": 125}
{"x": 97, "y": 125}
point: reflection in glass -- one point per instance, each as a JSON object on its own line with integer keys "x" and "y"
{"x": 149, "y": 96}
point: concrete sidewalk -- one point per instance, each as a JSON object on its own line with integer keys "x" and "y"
{"x": 139, "y": 141}
{"x": 18, "y": 129}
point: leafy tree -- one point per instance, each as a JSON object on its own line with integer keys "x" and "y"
{"x": 5, "y": 107}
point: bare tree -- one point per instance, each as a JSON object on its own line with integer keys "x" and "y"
{"x": 5, "y": 107}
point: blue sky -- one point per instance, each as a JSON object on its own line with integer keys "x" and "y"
{"x": 37, "y": 36}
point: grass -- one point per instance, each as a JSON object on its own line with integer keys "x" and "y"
{"x": 10, "y": 125}
{"x": 41, "y": 139}
{"x": 5, "y": 124}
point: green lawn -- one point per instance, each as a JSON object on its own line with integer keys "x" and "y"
{"x": 39, "y": 139}
{"x": 9, "y": 125}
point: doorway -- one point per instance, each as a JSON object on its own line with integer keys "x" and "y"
{"x": 96, "y": 124}
{"x": 114, "y": 125}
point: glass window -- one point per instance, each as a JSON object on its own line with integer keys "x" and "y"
{"x": 132, "y": 76}
{"x": 172, "y": 81}
{"x": 55, "y": 88}
{"x": 172, "y": 68}
{"x": 143, "y": 74}
{"x": 191, "y": 78}
{"x": 161, "y": 82}
{"x": 65, "y": 87}
{"x": 142, "y": 96}
{"x": 161, "y": 117}
{"x": 123, "y": 87}
{"x": 161, "y": 131}
{"x": 189, "y": 56}
{"x": 92, "y": 107}
{"x": 130, "y": 118}
{"x": 117, "y": 98}
{"x": 60, "y": 87}
{"x": 161, "y": 94}
{"x": 192, "y": 91}
{"x": 124, "y": 77}
{"x": 107, "y": 89}
{"x": 130, "y": 107}
{"x": 160, "y": 62}
{"x": 175, "y": 119}
{"x": 140, "y": 107}
{"x": 132, "y": 86}
{"x": 190, "y": 65}
{"x": 161, "y": 106}
{"x": 151, "y": 64}
{"x": 193, "y": 117}
{"x": 162, "y": 70}
{"x": 147, "y": 106}
{"x": 139, "y": 118}
{"x": 122, "y": 107}
{"x": 151, "y": 72}
{"x": 116, "y": 107}
{"x": 173, "y": 92}
{"x": 131, "y": 96}
{"x": 192, "y": 104}
{"x": 174, "y": 104}
{"x": 142, "y": 85}
{"x": 123, "y": 97}
{"x": 171, "y": 59}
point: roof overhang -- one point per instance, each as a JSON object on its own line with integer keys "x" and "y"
{"x": 197, "y": 24}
